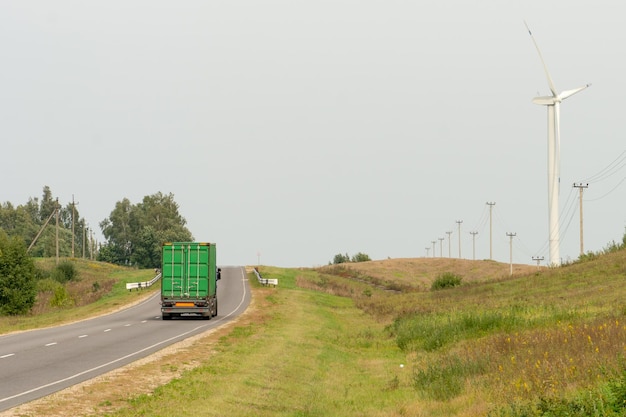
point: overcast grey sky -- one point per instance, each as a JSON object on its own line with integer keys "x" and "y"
{"x": 303, "y": 129}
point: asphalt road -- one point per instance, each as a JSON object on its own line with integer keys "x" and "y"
{"x": 37, "y": 363}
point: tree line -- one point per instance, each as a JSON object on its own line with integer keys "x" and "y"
{"x": 134, "y": 235}
{"x": 26, "y": 221}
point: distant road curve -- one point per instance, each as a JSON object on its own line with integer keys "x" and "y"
{"x": 37, "y": 363}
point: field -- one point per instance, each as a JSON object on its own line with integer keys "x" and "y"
{"x": 373, "y": 339}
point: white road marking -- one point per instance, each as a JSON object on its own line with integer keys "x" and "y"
{"x": 50, "y": 344}
{"x": 128, "y": 325}
{"x": 7, "y": 355}
{"x": 83, "y": 336}
{"x": 144, "y": 321}
{"x": 107, "y": 330}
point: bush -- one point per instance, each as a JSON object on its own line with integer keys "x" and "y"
{"x": 446, "y": 280}
{"x": 61, "y": 298}
{"x": 65, "y": 272}
{"x": 361, "y": 257}
{"x": 17, "y": 277}
{"x": 341, "y": 259}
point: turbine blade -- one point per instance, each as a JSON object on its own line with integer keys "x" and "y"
{"x": 567, "y": 93}
{"x": 545, "y": 68}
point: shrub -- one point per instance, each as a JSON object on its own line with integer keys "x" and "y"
{"x": 361, "y": 257}
{"x": 446, "y": 280}
{"x": 61, "y": 298}
{"x": 341, "y": 259}
{"x": 17, "y": 277}
{"x": 65, "y": 272}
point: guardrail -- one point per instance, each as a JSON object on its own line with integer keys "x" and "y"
{"x": 265, "y": 281}
{"x": 144, "y": 284}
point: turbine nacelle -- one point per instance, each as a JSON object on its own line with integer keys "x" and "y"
{"x": 546, "y": 100}
{"x": 551, "y": 100}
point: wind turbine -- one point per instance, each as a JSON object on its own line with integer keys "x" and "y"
{"x": 553, "y": 103}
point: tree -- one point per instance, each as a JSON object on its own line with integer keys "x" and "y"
{"x": 135, "y": 233}
{"x": 48, "y": 204}
{"x": 118, "y": 234}
{"x": 147, "y": 251}
{"x": 17, "y": 221}
{"x": 156, "y": 220}
{"x": 17, "y": 277}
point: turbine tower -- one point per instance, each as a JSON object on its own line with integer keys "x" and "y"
{"x": 553, "y": 103}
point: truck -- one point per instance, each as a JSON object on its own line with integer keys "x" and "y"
{"x": 189, "y": 275}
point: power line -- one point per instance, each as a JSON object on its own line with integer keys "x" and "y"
{"x": 609, "y": 170}
{"x": 609, "y": 192}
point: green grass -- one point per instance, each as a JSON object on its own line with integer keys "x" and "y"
{"x": 549, "y": 344}
{"x": 317, "y": 355}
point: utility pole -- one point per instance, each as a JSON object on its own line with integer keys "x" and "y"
{"x": 73, "y": 216}
{"x": 433, "y": 242}
{"x": 580, "y": 187}
{"x": 91, "y": 244}
{"x": 510, "y": 235}
{"x": 427, "y": 252}
{"x": 490, "y": 204}
{"x": 459, "y": 223}
{"x": 449, "y": 244}
{"x": 473, "y": 244}
{"x": 56, "y": 208}
{"x": 441, "y": 246}
{"x": 538, "y": 259}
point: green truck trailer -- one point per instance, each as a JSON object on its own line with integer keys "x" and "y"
{"x": 189, "y": 277}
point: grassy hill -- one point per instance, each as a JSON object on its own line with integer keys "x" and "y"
{"x": 98, "y": 287}
{"x": 372, "y": 339}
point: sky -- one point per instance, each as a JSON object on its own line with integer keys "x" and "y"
{"x": 292, "y": 131}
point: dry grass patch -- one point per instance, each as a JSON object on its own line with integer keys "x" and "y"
{"x": 421, "y": 272}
